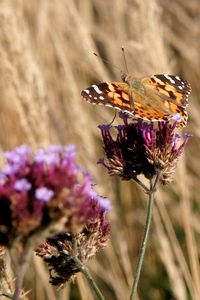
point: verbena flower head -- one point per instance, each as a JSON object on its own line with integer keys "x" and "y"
{"x": 42, "y": 189}
{"x": 142, "y": 148}
{"x": 59, "y": 252}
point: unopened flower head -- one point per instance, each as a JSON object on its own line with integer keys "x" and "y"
{"x": 142, "y": 148}
{"x": 45, "y": 188}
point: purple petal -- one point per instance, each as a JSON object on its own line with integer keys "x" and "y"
{"x": 70, "y": 151}
{"x": 23, "y": 150}
{"x": 187, "y": 135}
{"x": 177, "y": 117}
{"x": 22, "y": 185}
{"x": 11, "y": 169}
{"x": 18, "y": 154}
{"x": 43, "y": 194}
{"x": 12, "y": 156}
{"x": 45, "y": 157}
{"x": 105, "y": 203}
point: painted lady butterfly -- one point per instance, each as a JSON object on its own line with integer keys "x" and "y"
{"x": 155, "y": 98}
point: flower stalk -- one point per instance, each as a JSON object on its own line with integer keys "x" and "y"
{"x": 21, "y": 269}
{"x": 145, "y": 236}
{"x": 85, "y": 271}
{"x": 89, "y": 277}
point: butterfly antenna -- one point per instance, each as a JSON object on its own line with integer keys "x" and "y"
{"x": 106, "y": 61}
{"x": 125, "y": 62}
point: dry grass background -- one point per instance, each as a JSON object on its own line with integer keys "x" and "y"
{"x": 45, "y": 62}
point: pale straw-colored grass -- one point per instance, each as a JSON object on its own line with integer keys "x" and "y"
{"x": 45, "y": 62}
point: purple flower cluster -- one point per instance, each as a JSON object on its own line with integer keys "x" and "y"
{"x": 141, "y": 147}
{"x": 39, "y": 190}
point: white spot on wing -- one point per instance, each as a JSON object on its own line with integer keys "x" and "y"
{"x": 180, "y": 87}
{"x": 169, "y": 78}
{"x": 127, "y": 111}
{"x": 101, "y": 98}
{"x": 96, "y": 88}
{"x": 87, "y": 91}
{"x": 178, "y": 78}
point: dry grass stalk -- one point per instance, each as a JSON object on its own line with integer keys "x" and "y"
{"x": 45, "y": 62}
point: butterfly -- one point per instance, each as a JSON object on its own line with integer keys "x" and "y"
{"x": 156, "y": 98}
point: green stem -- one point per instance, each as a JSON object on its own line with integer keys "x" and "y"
{"x": 85, "y": 271}
{"x": 87, "y": 274}
{"x": 140, "y": 183}
{"x": 145, "y": 237}
{"x": 154, "y": 184}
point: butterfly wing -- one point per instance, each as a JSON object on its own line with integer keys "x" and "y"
{"x": 172, "y": 88}
{"x": 170, "y": 93}
{"x": 159, "y": 97}
{"x": 121, "y": 96}
{"x": 110, "y": 94}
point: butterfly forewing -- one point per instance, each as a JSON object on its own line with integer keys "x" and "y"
{"x": 109, "y": 94}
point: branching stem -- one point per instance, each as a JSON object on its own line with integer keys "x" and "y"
{"x": 86, "y": 272}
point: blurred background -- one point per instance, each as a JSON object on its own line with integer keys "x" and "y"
{"x": 45, "y": 62}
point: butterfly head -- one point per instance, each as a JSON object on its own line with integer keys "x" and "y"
{"x": 123, "y": 76}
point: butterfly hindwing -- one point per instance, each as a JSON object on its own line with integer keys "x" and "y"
{"x": 175, "y": 88}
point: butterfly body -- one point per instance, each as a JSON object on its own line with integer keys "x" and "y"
{"x": 155, "y": 98}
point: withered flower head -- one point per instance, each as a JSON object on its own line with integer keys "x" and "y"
{"x": 142, "y": 148}
{"x": 41, "y": 189}
{"x": 62, "y": 252}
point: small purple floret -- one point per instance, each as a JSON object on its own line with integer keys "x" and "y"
{"x": 105, "y": 203}
{"x": 21, "y": 185}
{"x": 43, "y": 194}
{"x": 10, "y": 169}
{"x": 43, "y": 156}
{"x": 177, "y": 118}
{"x": 16, "y": 155}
